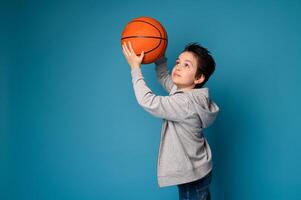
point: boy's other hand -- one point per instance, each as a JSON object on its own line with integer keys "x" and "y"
{"x": 133, "y": 60}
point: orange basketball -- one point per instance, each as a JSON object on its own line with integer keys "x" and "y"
{"x": 148, "y": 35}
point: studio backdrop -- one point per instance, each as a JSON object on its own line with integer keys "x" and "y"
{"x": 70, "y": 125}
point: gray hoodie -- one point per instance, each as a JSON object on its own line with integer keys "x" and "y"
{"x": 184, "y": 154}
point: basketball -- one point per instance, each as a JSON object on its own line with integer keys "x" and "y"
{"x": 148, "y": 35}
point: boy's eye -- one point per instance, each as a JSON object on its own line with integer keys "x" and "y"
{"x": 187, "y": 65}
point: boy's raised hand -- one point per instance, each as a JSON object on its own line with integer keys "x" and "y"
{"x": 133, "y": 60}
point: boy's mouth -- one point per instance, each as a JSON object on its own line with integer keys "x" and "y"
{"x": 175, "y": 74}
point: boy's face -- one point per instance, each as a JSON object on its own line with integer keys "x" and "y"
{"x": 183, "y": 73}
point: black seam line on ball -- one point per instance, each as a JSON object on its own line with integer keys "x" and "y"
{"x": 149, "y": 24}
{"x": 153, "y": 48}
{"x": 143, "y": 37}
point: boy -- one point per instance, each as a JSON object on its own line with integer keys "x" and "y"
{"x": 184, "y": 157}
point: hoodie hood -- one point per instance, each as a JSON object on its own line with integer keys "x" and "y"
{"x": 206, "y": 108}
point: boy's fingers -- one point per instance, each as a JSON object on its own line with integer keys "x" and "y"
{"x": 126, "y": 49}
{"x": 131, "y": 48}
{"x": 142, "y": 54}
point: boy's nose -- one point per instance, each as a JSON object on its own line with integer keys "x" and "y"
{"x": 178, "y": 67}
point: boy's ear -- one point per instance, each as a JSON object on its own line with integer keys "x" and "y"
{"x": 200, "y": 79}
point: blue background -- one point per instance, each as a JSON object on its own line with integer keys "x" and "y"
{"x": 70, "y": 126}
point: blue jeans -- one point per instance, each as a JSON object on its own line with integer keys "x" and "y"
{"x": 196, "y": 190}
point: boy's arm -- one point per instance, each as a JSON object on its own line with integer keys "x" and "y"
{"x": 174, "y": 107}
{"x": 162, "y": 74}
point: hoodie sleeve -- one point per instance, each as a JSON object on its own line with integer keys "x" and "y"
{"x": 162, "y": 74}
{"x": 174, "y": 107}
